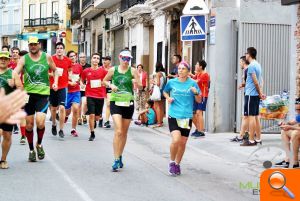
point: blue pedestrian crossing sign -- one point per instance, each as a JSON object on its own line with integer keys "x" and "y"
{"x": 192, "y": 28}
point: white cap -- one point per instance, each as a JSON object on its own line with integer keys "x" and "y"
{"x": 126, "y": 53}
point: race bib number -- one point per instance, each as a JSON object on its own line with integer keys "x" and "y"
{"x": 183, "y": 123}
{"x": 75, "y": 77}
{"x": 95, "y": 83}
{"x": 59, "y": 71}
{"x": 26, "y": 99}
{"x": 122, "y": 104}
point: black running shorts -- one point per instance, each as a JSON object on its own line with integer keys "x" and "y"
{"x": 251, "y": 106}
{"x": 125, "y": 112}
{"x": 6, "y": 127}
{"x": 37, "y": 103}
{"x": 173, "y": 126}
{"x": 58, "y": 97}
{"x": 95, "y": 106}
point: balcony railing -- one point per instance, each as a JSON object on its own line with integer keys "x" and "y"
{"x": 75, "y": 10}
{"x": 126, "y": 4}
{"x": 86, "y": 3}
{"x": 10, "y": 29}
{"x": 40, "y": 22}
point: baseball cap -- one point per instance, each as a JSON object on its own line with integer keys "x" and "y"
{"x": 33, "y": 40}
{"x": 125, "y": 53}
{"x": 4, "y": 54}
{"x": 106, "y": 58}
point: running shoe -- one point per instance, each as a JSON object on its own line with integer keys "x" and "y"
{"x": 23, "y": 140}
{"x": 248, "y": 143}
{"x": 4, "y": 165}
{"x": 177, "y": 168}
{"x": 236, "y": 139}
{"x": 61, "y": 134}
{"x": 137, "y": 123}
{"x": 258, "y": 142}
{"x": 92, "y": 138}
{"x": 116, "y": 165}
{"x": 283, "y": 164}
{"x": 16, "y": 129}
{"x": 74, "y": 133}
{"x": 84, "y": 120}
{"x": 80, "y": 122}
{"x": 172, "y": 169}
{"x": 106, "y": 125}
{"x": 121, "y": 162}
{"x": 193, "y": 134}
{"x": 296, "y": 165}
{"x": 54, "y": 130}
{"x": 246, "y": 136}
{"x": 32, "y": 156}
{"x": 40, "y": 152}
{"x": 199, "y": 134}
{"x": 100, "y": 124}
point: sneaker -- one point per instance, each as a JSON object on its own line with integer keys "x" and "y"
{"x": 61, "y": 134}
{"x": 16, "y": 129}
{"x": 116, "y": 165}
{"x": 172, "y": 169}
{"x": 57, "y": 117}
{"x": 23, "y": 140}
{"x": 74, "y": 133}
{"x": 199, "y": 134}
{"x": 84, "y": 120}
{"x": 248, "y": 143}
{"x": 4, "y": 165}
{"x": 283, "y": 164}
{"x": 194, "y": 133}
{"x": 79, "y": 122}
{"x": 100, "y": 124}
{"x": 236, "y": 139}
{"x": 177, "y": 168}
{"x": 259, "y": 142}
{"x": 92, "y": 138}
{"x": 296, "y": 165}
{"x": 40, "y": 152}
{"x": 32, "y": 156}
{"x": 246, "y": 136}
{"x": 54, "y": 130}
{"x": 106, "y": 125}
{"x": 121, "y": 162}
{"x": 137, "y": 123}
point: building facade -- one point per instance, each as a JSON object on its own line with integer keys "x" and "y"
{"x": 10, "y": 23}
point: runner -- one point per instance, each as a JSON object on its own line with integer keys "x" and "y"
{"x": 73, "y": 100}
{"x": 83, "y": 107}
{"x": 124, "y": 78}
{"x": 106, "y": 66}
{"x": 95, "y": 92}
{"x": 59, "y": 98}
{"x": 9, "y": 80}
{"x": 35, "y": 66}
{"x": 181, "y": 93}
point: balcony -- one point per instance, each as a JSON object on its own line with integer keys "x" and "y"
{"x": 126, "y": 4}
{"x": 75, "y": 10}
{"x": 88, "y": 9}
{"x": 48, "y": 21}
{"x": 10, "y": 29}
{"x": 105, "y": 3}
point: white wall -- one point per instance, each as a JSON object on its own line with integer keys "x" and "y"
{"x": 160, "y": 31}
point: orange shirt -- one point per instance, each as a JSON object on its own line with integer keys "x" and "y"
{"x": 203, "y": 80}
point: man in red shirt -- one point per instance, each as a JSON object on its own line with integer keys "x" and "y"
{"x": 203, "y": 80}
{"x": 95, "y": 91}
{"x": 59, "y": 97}
{"x": 74, "y": 95}
{"x": 14, "y": 58}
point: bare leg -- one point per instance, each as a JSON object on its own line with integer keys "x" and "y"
{"x": 6, "y": 143}
{"x": 53, "y": 115}
{"x": 176, "y": 140}
{"x": 181, "y": 149}
{"x": 118, "y": 134}
{"x": 200, "y": 120}
{"x": 258, "y": 128}
{"x": 252, "y": 127}
{"x": 295, "y": 142}
{"x": 75, "y": 111}
{"x": 125, "y": 126}
{"x": 92, "y": 121}
{"x": 107, "y": 111}
{"x": 286, "y": 144}
{"x": 62, "y": 116}
{"x": 244, "y": 126}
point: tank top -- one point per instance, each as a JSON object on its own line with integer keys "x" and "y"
{"x": 125, "y": 87}
{"x": 3, "y": 81}
{"x": 36, "y": 77}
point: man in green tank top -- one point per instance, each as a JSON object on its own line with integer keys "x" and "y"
{"x": 9, "y": 81}
{"x": 124, "y": 80}
{"x": 35, "y": 66}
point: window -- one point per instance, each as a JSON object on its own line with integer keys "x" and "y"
{"x": 100, "y": 41}
{"x": 16, "y": 16}
{"x": 133, "y": 52}
{"x": 31, "y": 11}
{"x": 15, "y": 43}
{"x": 43, "y": 10}
{"x": 159, "y": 52}
{"x": 75, "y": 33}
{"x": 5, "y": 18}
{"x": 54, "y": 7}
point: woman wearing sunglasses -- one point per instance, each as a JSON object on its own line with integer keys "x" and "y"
{"x": 124, "y": 79}
{"x": 180, "y": 92}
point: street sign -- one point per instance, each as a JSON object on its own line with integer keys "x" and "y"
{"x": 195, "y": 7}
{"x": 192, "y": 28}
{"x": 63, "y": 34}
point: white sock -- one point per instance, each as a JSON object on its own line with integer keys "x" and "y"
{"x": 252, "y": 141}
{"x": 258, "y": 140}
{"x": 172, "y": 161}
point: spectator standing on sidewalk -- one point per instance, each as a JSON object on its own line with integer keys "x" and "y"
{"x": 176, "y": 59}
{"x": 253, "y": 94}
{"x": 181, "y": 93}
{"x": 203, "y": 80}
{"x": 141, "y": 94}
{"x": 159, "y": 79}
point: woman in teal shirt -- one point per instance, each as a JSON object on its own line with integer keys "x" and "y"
{"x": 124, "y": 80}
{"x": 180, "y": 93}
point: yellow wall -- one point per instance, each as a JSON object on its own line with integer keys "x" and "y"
{"x": 68, "y": 39}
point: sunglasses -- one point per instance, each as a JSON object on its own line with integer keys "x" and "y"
{"x": 126, "y": 59}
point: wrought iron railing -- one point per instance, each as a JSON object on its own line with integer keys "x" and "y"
{"x": 126, "y": 4}
{"x": 40, "y": 22}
